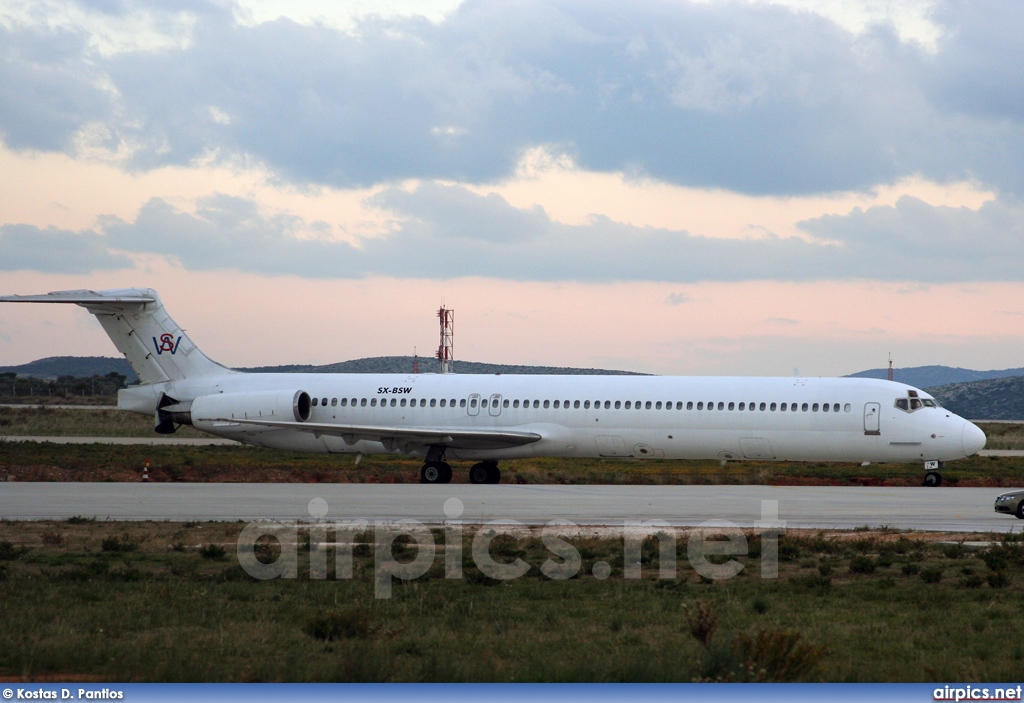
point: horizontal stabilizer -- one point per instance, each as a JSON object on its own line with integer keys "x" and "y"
{"x": 81, "y": 297}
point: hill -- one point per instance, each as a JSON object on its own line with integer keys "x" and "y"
{"x": 87, "y": 366}
{"x": 990, "y": 399}
{"x": 932, "y": 376}
{"x": 78, "y": 366}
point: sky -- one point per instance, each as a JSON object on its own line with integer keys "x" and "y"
{"x": 741, "y": 187}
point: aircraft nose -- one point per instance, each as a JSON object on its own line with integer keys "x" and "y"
{"x": 973, "y": 439}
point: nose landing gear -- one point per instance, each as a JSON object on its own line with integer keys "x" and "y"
{"x": 932, "y": 478}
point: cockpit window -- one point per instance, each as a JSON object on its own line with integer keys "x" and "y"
{"x": 914, "y": 402}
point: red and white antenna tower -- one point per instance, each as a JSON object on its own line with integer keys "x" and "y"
{"x": 415, "y": 361}
{"x": 446, "y": 317}
{"x": 890, "y": 366}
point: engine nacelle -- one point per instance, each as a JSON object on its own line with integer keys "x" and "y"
{"x": 208, "y": 411}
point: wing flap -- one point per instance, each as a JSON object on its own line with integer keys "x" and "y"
{"x": 407, "y": 436}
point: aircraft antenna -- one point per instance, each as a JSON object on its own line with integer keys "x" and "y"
{"x": 446, "y": 317}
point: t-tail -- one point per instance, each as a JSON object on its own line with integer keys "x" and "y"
{"x": 135, "y": 320}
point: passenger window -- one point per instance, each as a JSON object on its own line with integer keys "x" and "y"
{"x": 363, "y": 402}
{"x": 547, "y": 403}
{"x": 443, "y": 402}
{"x": 657, "y": 406}
{"x": 772, "y": 407}
{"x": 557, "y": 404}
{"x": 824, "y": 408}
{"x": 334, "y": 401}
{"x": 373, "y": 402}
{"x": 586, "y": 405}
{"x": 804, "y": 407}
{"x": 536, "y": 403}
{"x": 433, "y": 402}
{"x": 732, "y": 406}
{"x": 565, "y": 404}
{"x": 515, "y": 404}
{"x": 743, "y": 406}
{"x": 403, "y": 402}
{"x": 629, "y": 405}
{"x": 689, "y": 405}
{"x": 316, "y": 401}
{"x": 423, "y": 402}
{"x": 462, "y": 402}
{"x": 647, "y": 405}
{"x": 394, "y": 402}
{"x": 700, "y": 405}
{"x": 607, "y": 404}
{"x": 344, "y": 402}
{"x": 751, "y": 407}
{"x": 576, "y": 404}
{"x": 505, "y": 403}
{"x": 483, "y": 403}
{"x": 721, "y": 405}
{"x": 814, "y": 408}
{"x": 847, "y": 408}
{"x": 679, "y": 405}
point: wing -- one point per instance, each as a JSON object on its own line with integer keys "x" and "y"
{"x": 405, "y": 437}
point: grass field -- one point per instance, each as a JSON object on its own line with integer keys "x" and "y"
{"x": 83, "y": 600}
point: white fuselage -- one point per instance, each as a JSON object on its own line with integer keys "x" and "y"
{"x": 724, "y": 418}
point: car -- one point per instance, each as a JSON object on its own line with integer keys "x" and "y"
{"x": 1012, "y": 503}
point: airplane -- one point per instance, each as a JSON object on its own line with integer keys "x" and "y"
{"x": 486, "y": 418}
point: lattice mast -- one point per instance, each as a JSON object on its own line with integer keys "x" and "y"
{"x": 445, "y": 355}
{"x": 890, "y": 366}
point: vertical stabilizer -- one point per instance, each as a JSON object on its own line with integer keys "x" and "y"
{"x": 136, "y": 322}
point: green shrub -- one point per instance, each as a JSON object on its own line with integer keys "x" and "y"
{"x": 350, "y": 623}
{"x": 8, "y": 552}
{"x": 213, "y": 552}
{"x": 760, "y": 605}
{"x": 998, "y": 579}
{"x": 116, "y": 544}
{"x": 932, "y": 574}
{"x": 861, "y": 564}
{"x": 910, "y": 569}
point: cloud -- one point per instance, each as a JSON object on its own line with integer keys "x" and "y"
{"x": 677, "y": 298}
{"x": 750, "y": 97}
{"x": 449, "y": 231}
{"x": 29, "y": 248}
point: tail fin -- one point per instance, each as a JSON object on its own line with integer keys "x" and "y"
{"x": 135, "y": 320}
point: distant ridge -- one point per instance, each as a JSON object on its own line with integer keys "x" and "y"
{"x": 990, "y": 399}
{"x": 78, "y": 366}
{"x": 932, "y": 376}
{"x": 88, "y": 366}
{"x": 403, "y": 364}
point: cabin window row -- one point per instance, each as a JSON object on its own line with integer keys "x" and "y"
{"x": 587, "y": 405}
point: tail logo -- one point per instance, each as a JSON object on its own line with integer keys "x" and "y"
{"x": 167, "y": 343}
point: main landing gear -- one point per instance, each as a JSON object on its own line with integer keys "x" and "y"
{"x": 932, "y": 478}
{"x": 485, "y": 472}
{"x": 436, "y": 470}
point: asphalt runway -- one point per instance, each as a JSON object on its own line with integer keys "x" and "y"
{"x": 924, "y": 509}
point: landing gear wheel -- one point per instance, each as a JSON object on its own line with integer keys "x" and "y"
{"x": 436, "y": 472}
{"x": 932, "y": 479}
{"x": 493, "y": 473}
{"x": 479, "y": 473}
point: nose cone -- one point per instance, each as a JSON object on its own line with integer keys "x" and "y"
{"x": 973, "y": 439}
